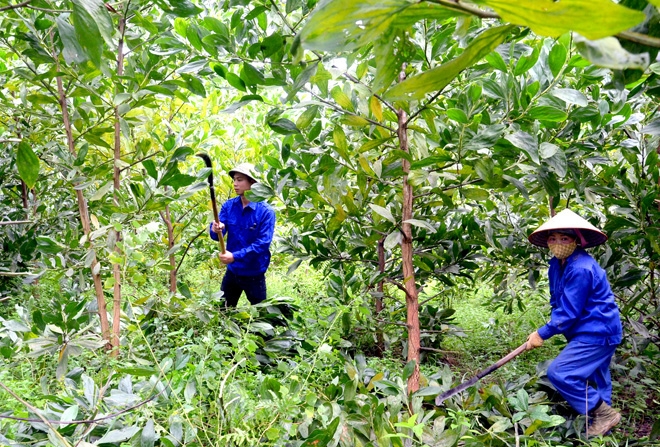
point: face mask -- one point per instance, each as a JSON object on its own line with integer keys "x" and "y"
{"x": 562, "y": 251}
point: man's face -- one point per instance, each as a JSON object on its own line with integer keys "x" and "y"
{"x": 242, "y": 183}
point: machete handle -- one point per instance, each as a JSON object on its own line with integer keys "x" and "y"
{"x": 483, "y": 373}
{"x": 214, "y": 204}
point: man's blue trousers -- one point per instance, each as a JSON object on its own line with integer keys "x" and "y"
{"x": 581, "y": 374}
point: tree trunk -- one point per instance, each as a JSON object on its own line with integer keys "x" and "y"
{"x": 116, "y": 268}
{"x": 84, "y": 215}
{"x": 380, "y": 340}
{"x": 412, "y": 298}
{"x": 167, "y": 218}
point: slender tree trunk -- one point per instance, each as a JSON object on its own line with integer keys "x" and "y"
{"x": 24, "y": 196}
{"x": 116, "y": 268}
{"x": 84, "y": 212}
{"x": 167, "y": 218}
{"x": 412, "y": 297}
{"x": 381, "y": 290}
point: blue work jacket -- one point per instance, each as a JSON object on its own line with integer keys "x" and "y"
{"x": 583, "y": 306}
{"x": 249, "y": 234}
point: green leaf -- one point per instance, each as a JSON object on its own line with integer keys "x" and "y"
{"x": 409, "y": 369}
{"x": 341, "y": 98}
{"x": 528, "y": 143}
{"x": 570, "y": 96}
{"x": 193, "y": 84}
{"x": 387, "y": 214}
{"x": 251, "y": 75}
{"x": 526, "y": 62}
{"x": 235, "y": 81}
{"x": 148, "y": 436}
{"x": 557, "y": 58}
{"x": 116, "y": 436}
{"x": 547, "y": 150}
{"x": 495, "y": 60}
{"x": 283, "y": 126}
{"x": 180, "y": 8}
{"x": 547, "y": 113}
{"x": 340, "y": 25}
{"x": 421, "y": 224}
{"x": 593, "y": 19}
{"x": 49, "y": 245}
{"x": 438, "y": 78}
{"x": 27, "y": 163}
{"x": 243, "y": 101}
{"x": 150, "y": 167}
{"x": 93, "y": 25}
{"x": 457, "y": 115}
{"x": 73, "y": 52}
{"x": 609, "y": 53}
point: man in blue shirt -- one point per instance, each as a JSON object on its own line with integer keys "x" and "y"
{"x": 249, "y": 227}
{"x": 584, "y": 311}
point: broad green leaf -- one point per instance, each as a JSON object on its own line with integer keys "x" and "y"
{"x": 547, "y": 150}
{"x": 393, "y": 239}
{"x": 116, "y": 436}
{"x": 457, "y": 115}
{"x": 283, "y": 126}
{"x": 305, "y": 119}
{"x": 376, "y": 108}
{"x": 526, "y": 62}
{"x": 354, "y": 121}
{"x": 570, "y": 96}
{"x": 495, "y": 60}
{"x": 477, "y": 194}
{"x": 93, "y": 25}
{"x": 148, "y": 436}
{"x": 387, "y": 214}
{"x": 340, "y": 25}
{"x": 180, "y": 8}
{"x": 652, "y": 128}
{"x": 609, "y": 53}
{"x": 193, "y": 84}
{"x": 251, "y": 75}
{"x": 528, "y": 143}
{"x": 73, "y": 52}
{"x": 342, "y": 99}
{"x": 557, "y": 58}
{"x": 243, "y": 101}
{"x": 421, "y": 224}
{"x": 101, "y": 192}
{"x": 547, "y": 113}
{"x": 235, "y": 81}
{"x": 593, "y": 19}
{"x": 438, "y": 78}
{"x": 27, "y": 163}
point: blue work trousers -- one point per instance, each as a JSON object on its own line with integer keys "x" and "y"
{"x": 581, "y": 372}
{"x": 234, "y": 285}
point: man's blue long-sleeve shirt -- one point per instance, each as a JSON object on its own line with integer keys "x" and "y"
{"x": 583, "y": 306}
{"x": 250, "y": 231}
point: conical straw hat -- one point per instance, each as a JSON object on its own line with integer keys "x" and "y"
{"x": 587, "y": 234}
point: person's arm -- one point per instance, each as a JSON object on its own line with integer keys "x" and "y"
{"x": 569, "y": 304}
{"x": 260, "y": 246}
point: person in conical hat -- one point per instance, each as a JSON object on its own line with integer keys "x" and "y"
{"x": 250, "y": 227}
{"x": 585, "y": 312}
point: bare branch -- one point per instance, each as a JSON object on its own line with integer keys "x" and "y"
{"x": 16, "y": 6}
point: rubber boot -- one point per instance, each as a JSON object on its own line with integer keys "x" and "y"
{"x": 603, "y": 419}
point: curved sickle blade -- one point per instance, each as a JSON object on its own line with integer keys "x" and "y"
{"x": 214, "y": 204}
{"x": 465, "y": 385}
